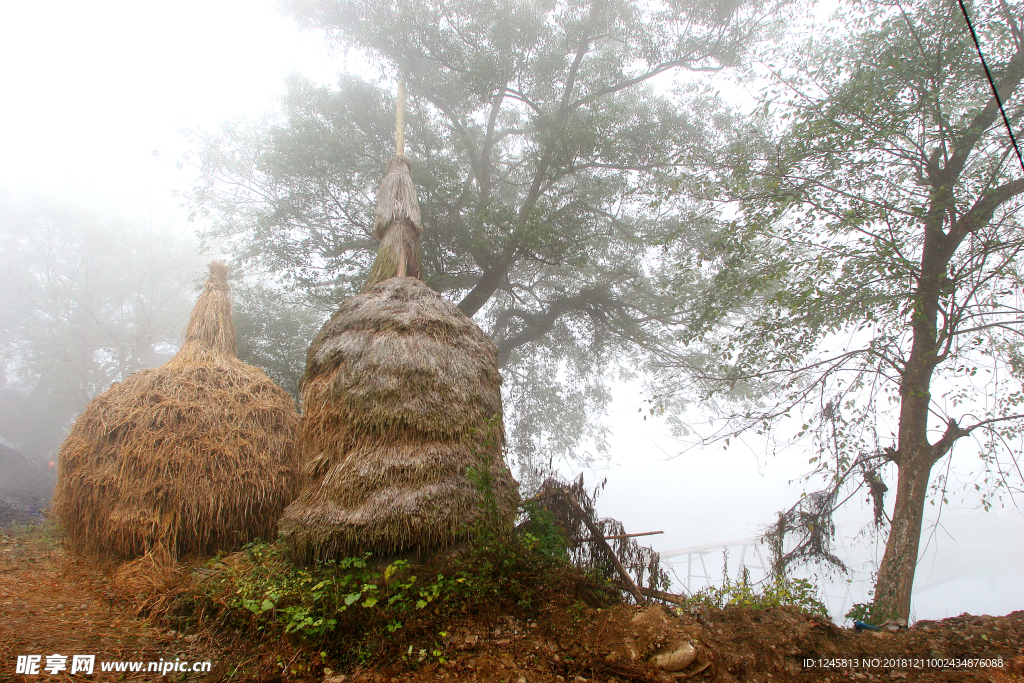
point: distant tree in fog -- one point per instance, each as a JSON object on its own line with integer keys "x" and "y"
{"x": 274, "y": 329}
{"x": 87, "y": 300}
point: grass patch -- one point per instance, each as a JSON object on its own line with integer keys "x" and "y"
{"x": 37, "y": 536}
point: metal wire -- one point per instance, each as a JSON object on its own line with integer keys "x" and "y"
{"x": 991, "y": 82}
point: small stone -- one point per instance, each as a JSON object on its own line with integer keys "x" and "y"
{"x": 675, "y": 658}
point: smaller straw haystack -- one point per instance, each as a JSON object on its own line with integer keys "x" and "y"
{"x": 195, "y": 456}
{"x": 401, "y": 433}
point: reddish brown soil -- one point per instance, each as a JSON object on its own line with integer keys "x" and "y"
{"x": 736, "y": 644}
{"x": 52, "y": 602}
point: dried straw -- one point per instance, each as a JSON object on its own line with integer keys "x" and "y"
{"x": 150, "y": 583}
{"x": 211, "y": 329}
{"x": 401, "y": 396}
{"x": 397, "y": 225}
{"x": 196, "y": 455}
{"x": 396, "y": 201}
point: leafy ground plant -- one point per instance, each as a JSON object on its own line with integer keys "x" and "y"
{"x": 388, "y": 610}
{"x": 778, "y": 592}
{"x": 262, "y": 586}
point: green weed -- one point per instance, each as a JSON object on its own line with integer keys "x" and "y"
{"x": 776, "y": 593}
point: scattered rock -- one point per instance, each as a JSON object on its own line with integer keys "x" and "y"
{"x": 894, "y": 625}
{"x": 700, "y": 612}
{"x": 675, "y": 658}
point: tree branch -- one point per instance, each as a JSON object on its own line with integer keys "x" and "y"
{"x": 962, "y": 148}
{"x": 981, "y": 213}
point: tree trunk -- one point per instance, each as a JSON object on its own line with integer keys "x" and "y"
{"x": 915, "y": 455}
{"x": 899, "y": 563}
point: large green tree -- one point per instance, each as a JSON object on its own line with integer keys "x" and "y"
{"x": 538, "y": 143}
{"x": 871, "y": 282}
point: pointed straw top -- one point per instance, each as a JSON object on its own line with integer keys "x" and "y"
{"x": 396, "y": 200}
{"x": 211, "y": 328}
{"x": 396, "y": 222}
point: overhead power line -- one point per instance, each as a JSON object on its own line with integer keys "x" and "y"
{"x": 991, "y": 82}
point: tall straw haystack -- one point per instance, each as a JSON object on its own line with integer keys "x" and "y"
{"x": 401, "y": 426}
{"x": 197, "y": 455}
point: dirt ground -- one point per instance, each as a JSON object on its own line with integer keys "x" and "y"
{"x": 52, "y": 602}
